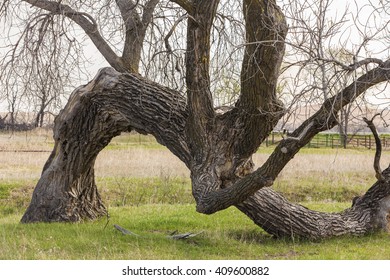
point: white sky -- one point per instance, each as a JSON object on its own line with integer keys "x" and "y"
{"x": 350, "y": 37}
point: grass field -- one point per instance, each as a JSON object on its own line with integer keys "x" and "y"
{"x": 147, "y": 191}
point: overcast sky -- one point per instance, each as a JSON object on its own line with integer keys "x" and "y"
{"x": 350, "y": 37}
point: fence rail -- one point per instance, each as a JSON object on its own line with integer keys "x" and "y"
{"x": 333, "y": 140}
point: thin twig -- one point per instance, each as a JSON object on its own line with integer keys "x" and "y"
{"x": 108, "y": 220}
{"x": 378, "y": 152}
{"x": 166, "y": 39}
{"x": 183, "y": 235}
{"x": 125, "y": 231}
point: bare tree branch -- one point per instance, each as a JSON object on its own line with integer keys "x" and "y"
{"x": 216, "y": 145}
{"x": 88, "y": 24}
{"x": 200, "y": 102}
{"x": 166, "y": 39}
{"x": 187, "y": 5}
{"x": 266, "y": 30}
{"x": 322, "y": 120}
{"x": 135, "y": 30}
{"x": 378, "y": 152}
{"x": 354, "y": 66}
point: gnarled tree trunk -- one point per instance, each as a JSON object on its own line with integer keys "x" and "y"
{"x": 108, "y": 105}
{"x": 115, "y": 102}
{"x": 215, "y": 145}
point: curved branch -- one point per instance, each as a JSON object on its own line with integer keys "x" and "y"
{"x": 378, "y": 144}
{"x": 142, "y": 105}
{"x": 88, "y": 24}
{"x": 323, "y": 119}
{"x": 169, "y": 34}
{"x": 354, "y": 66}
{"x": 111, "y": 103}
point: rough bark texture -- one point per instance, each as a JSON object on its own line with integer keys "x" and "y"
{"x": 281, "y": 218}
{"x": 108, "y": 105}
{"x": 221, "y": 145}
{"x": 115, "y": 102}
{"x": 216, "y": 146}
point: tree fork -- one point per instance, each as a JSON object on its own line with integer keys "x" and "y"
{"x": 217, "y": 181}
{"x": 115, "y": 102}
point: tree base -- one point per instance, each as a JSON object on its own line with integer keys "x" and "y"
{"x": 54, "y": 201}
{"x": 114, "y": 102}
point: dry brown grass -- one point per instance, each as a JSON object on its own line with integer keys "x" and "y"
{"x": 335, "y": 161}
{"x": 17, "y": 162}
{"x": 35, "y": 140}
{"x": 139, "y": 162}
{"x": 134, "y": 172}
{"x": 132, "y": 160}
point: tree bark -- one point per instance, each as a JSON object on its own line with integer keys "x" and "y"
{"x": 221, "y": 145}
{"x": 135, "y": 30}
{"x": 114, "y": 102}
{"x": 216, "y": 147}
{"x": 108, "y": 105}
{"x": 281, "y": 218}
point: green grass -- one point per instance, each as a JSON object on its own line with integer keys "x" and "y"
{"x": 5, "y": 190}
{"x": 14, "y": 195}
{"x": 225, "y": 235}
{"x": 155, "y": 205}
{"x": 124, "y": 191}
{"x": 129, "y": 140}
{"x": 331, "y": 187}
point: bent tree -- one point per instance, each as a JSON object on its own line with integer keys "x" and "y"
{"x": 216, "y": 144}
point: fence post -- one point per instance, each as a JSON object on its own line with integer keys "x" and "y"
{"x": 327, "y": 139}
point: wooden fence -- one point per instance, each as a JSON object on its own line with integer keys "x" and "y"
{"x": 332, "y": 140}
